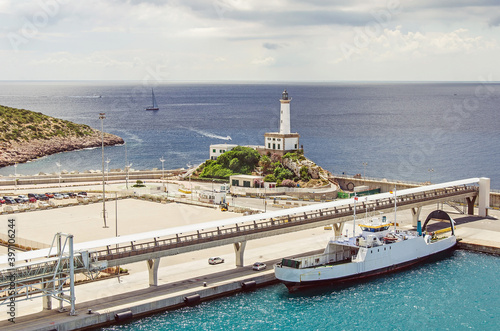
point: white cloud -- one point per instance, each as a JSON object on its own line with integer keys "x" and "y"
{"x": 238, "y": 39}
{"x": 268, "y": 61}
{"x": 392, "y": 44}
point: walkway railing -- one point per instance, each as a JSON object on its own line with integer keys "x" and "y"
{"x": 219, "y": 234}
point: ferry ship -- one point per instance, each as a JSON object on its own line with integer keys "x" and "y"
{"x": 377, "y": 250}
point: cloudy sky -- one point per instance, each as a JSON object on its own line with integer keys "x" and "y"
{"x": 259, "y": 40}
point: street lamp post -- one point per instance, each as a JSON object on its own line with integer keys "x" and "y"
{"x": 162, "y": 160}
{"x": 59, "y": 170}
{"x": 15, "y": 177}
{"x": 107, "y": 170}
{"x": 265, "y": 198}
{"x": 126, "y": 178}
{"x": 102, "y": 116}
{"x": 364, "y": 171}
{"x": 430, "y": 174}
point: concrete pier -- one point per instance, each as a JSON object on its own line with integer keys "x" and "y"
{"x": 185, "y": 275}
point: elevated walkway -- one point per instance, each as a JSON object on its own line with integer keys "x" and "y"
{"x": 92, "y": 256}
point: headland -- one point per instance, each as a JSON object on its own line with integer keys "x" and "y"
{"x": 27, "y": 135}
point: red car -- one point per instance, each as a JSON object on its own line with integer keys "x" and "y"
{"x": 49, "y": 195}
{"x": 2, "y": 200}
{"x": 32, "y": 199}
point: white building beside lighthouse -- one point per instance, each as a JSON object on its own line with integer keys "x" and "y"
{"x": 283, "y": 141}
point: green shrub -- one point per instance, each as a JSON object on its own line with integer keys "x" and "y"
{"x": 270, "y": 178}
{"x": 304, "y": 173}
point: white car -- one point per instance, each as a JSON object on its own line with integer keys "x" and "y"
{"x": 215, "y": 260}
{"x": 259, "y": 266}
{"x": 58, "y": 196}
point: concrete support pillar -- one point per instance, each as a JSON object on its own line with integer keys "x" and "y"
{"x": 338, "y": 228}
{"x": 46, "y": 300}
{"x": 415, "y": 213}
{"x": 239, "y": 249}
{"x": 153, "y": 271}
{"x": 484, "y": 196}
{"x": 470, "y": 205}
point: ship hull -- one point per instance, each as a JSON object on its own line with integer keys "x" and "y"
{"x": 329, "y": 277}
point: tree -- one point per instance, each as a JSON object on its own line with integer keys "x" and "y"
{"x": 265, "y": 163}
{"x": 304, "y": 173}
{"x": 270, "y": 178}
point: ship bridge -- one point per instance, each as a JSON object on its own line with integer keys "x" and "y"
{"x": 48, "y": 269}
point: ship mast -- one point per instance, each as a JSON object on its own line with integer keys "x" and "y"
{"x": 395, "y": 206}
{"x": 354, "y": 217}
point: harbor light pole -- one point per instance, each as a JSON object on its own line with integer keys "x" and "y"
{"x": 102, "y": 116}
{"x": 126, "y": 178}
{"x": 191, "y": 187}
{"x": 15, "y": 177}
{"x": 364, "y": 171}
{"x": 430, "y": 174}
{"x": 107, "y": 170}
{"x": 162, "y": 160}
{"x": 59, "y": 170}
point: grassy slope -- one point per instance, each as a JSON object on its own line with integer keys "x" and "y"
{"x": 23, "y": 125}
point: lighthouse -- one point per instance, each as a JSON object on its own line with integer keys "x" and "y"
{"x": 283, "y": 141}
{"x": 285, "y": 113}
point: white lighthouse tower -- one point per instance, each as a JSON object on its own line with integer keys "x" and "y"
{"x": 283, "y": 141}
{"x": 285, "y": 113}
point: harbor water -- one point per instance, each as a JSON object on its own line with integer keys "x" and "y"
{"x": 405, "y": 131}
{"x": 461, "y": 292}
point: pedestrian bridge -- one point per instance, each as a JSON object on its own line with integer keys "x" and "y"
{"x": 90, "y": 257}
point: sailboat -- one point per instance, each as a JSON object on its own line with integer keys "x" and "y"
{"x": 155, "y": 104}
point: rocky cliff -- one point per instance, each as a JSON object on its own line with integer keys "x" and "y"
{"x": 27, "y": 135}
{"x": 19, "y": 152}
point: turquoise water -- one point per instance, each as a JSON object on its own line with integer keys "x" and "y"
{"x": 458, "y": 293}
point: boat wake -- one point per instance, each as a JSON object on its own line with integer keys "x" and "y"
{"x": 210, "y": 135}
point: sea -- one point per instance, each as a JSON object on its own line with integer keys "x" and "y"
{"x": 407, "y": 131}
{"x": 458, "y": 293}
{"x": 410, "y": 131}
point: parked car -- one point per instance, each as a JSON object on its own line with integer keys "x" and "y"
{"x": 49, "y": 195}
{"x": 2, "y": 200}
{"x": 82, "y": 193}
{"x": 33, "y": 195}
{"x": 72, "y": 195}
{"x": 65, "y": 196}
{"x": 9, "y": 201}
{"x": 18, "y": 200}
{"x": 42, "y": 197}
{"x": 215, "y": 260}
{"x": 58, "y": 196}
{"x": 259, "y": 266}
{"x": 23, "y": 198}
{"x": 33, "y": 199}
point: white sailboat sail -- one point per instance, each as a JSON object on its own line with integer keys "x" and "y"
{"x": 155, "y": 104}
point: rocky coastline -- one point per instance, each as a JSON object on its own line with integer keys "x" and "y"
{"x": 19, "y": 152}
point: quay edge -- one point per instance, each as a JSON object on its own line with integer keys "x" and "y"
{"x": 104, "y": 317}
